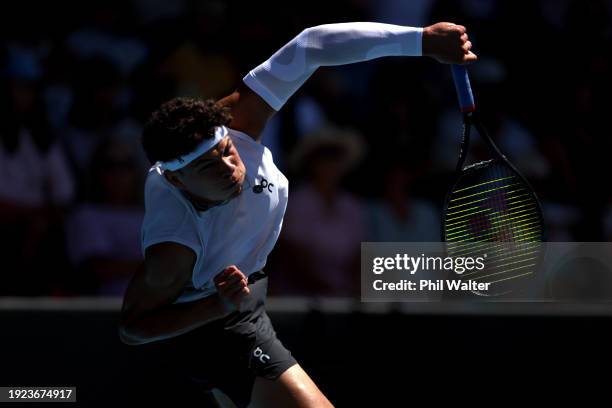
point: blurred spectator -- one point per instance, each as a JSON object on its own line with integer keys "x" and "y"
{"x": 411, "y": 13}
{"x": 106, "y": 36}
{"x": 99, "y": 109}
{"x": 36, "y": 182}
{"x": 399, "y": 216}
{"x": 103, "y": 233}
{"x": 153, "y": 10}
{"x": 60, "y": 70}
{"x": 324, "y": 224}
{"x": 561, "y": 221}
{"x": 92, "y": 76}
{"x": 309, "y": 115}
{"x": 199, "y": 74}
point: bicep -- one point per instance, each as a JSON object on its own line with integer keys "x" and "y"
{"x": 250, "y": 112}
{"x": 168, "y": 268}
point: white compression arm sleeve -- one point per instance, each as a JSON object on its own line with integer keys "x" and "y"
{"x": 281, "y": 76}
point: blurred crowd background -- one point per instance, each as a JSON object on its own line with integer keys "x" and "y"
{"x": 369, "y": 149}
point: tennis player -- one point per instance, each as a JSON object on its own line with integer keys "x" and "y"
{"x": 214, "y": 204}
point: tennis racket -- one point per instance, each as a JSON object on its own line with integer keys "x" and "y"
{"x": 491, "y": 210}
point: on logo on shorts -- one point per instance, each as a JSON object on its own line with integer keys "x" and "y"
{"x": 259, "y": 354}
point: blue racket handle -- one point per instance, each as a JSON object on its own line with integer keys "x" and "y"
{"x": 463, "y": 88}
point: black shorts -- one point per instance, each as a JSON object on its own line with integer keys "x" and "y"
{"x": 230, "y": 352}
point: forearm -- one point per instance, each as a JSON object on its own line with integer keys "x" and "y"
{"x": 172, "y": 320}
{"x": 283, "y": 74}
{"x": 346, "y": 43}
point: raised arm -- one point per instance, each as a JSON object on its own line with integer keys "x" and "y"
{"x": 271, "y": 84}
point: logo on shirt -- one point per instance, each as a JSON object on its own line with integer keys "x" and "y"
{"x": 263, "y": 185}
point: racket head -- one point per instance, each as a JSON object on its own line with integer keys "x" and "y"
{"x": 491, "y": 209}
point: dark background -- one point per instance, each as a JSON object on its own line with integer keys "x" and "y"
{"x": 392, "y": 360}
{"x": 78, "y": 80}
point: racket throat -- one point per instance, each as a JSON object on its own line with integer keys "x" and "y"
{"x": 465, "y": 140}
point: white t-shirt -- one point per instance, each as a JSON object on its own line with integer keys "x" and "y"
{"x": 241, "y": 232}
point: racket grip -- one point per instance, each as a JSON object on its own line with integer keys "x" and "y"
{"x": 463, "y": 88}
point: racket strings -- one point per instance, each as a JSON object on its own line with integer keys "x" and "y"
{"x": 492, "y": 210}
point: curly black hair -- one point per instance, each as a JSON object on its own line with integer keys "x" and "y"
{"x": 179, "y": 125}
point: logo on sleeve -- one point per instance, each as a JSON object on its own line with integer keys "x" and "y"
{"x": 263, "y": 185}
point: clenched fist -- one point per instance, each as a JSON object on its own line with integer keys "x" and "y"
{"x": 232, "y": 287}
{"x": 448, "y": 43}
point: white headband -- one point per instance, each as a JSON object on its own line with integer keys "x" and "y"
{"x": 203, "y": 147}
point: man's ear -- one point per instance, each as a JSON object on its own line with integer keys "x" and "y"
{"x": 173, "y": 178}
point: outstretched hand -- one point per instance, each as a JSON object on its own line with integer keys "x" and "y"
{"x": 448, "y": 43}
{"x": 232, "y": 286}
